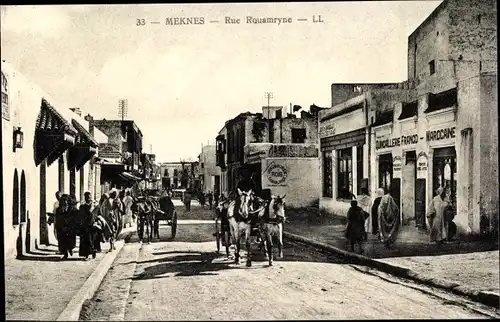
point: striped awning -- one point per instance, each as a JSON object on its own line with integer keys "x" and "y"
{"x": 84, "y": 149}
{"x": 53, "y": 134}
{"x": 129, "y": 177}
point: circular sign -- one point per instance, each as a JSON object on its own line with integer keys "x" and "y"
{"x": 276, "y": 174}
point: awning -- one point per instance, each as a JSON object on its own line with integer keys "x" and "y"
{"x": 84, "y": 149}
{"x": 108, "y": 161}
{"x": 53, "y": 134}
{"x": 382, "y": 118}
{"x": 129, "y": 176}
{"x": 409, "y": 110}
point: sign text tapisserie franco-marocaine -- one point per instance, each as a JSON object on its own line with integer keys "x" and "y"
{"x": 392, "y": 142}
{"x": 441, "y": 134}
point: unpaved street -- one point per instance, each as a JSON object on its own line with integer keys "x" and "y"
{"x": 185, "y": 279}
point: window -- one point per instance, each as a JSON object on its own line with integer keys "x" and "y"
{"x": 344, "y": 173}
{"x": 327, "y": 174}
{"x": 298, "y": 135}
{"x": 279, "y": 114}
{"x": 165, "y": 174}
{"x": 359, "y": 167}
{"x": 5, "y": 98}
{"x": 432, "y": 67}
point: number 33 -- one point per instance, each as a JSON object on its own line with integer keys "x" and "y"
{"x": 141, "y": 22}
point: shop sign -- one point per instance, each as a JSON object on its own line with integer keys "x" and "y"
{"x": 276, "y": 174}
{"x": 397, "y": 163}
{"x": 399, "y": 141}
{"x": 5, "y": 97}
{"x": 441, "y": 134}
{"x": 327, "y": 129}
{"x": 422, "y": 165}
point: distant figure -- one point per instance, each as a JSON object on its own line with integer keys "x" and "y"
{"x": 376, "y": 203}
{"x": 127, "y": 203}
{"x": 210, "y": 198}
{"x": 187, "y": 200}
{"x": 355, "y": 232}
{"x": 52, "y": 218}
{"x": 202, "y": 199}
{"x": 216, "y": 198}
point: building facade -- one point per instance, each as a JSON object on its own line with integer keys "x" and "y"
{"x": 119, "y": 158}
{"x": 45, "y": 148}
{"x": 345, "y": 140}
{"x": 280, "y": 154}
{"x": 210, "y": 174}
{"x": 179, "y": 175}
{"x": 431, "y": 131}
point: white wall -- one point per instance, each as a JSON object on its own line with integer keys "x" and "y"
{"x": 300, "y": 183}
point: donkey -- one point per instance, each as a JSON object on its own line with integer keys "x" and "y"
{"x": 272, "y": 217}
{"x": 239, "y": 223}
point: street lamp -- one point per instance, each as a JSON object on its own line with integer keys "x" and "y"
{"x": 18, "y": 138}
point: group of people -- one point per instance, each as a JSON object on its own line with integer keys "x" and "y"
{"x": 382, "y": 218}
{"x": 211, "y": 198}
{"x": 93, "y": 222}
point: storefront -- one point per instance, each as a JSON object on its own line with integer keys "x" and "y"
{"x": 344, "y": 155}
{"x": 414, "y": 157}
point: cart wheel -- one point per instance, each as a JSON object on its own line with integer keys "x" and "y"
{"x": 217, "y": 236}
{"x": 174, "y": 224}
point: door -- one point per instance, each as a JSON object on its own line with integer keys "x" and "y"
{"x": 420, "y": 191}
{"x": 445, "y": 173}
{"x": 409, "y": 173}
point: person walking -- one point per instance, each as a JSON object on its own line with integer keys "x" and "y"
{"x": 127, "y": 203}
{"x": 365, "y": 202}
{"x": 210, "y": 198}
{"x": 438, "y": 207}
{"x": 355, "y": 231}
{"x": 388, "y": 218}
{"x": 374, "y": 211}
{"x": 88, "y": 231}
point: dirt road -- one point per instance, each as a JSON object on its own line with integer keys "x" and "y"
{"x": 186, "y": 280}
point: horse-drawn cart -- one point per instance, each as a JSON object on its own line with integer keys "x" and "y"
{"x": 150, "y": 211}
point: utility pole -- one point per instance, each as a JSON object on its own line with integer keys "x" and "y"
{"x": 122, "y": 108}
{"x": 268, "y": 95}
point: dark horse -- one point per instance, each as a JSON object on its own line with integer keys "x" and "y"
{"x": 146, "y": 210}
{"x": 272, "y": 217}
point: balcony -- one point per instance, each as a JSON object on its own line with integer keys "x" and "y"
{"x": 283, "y": 150}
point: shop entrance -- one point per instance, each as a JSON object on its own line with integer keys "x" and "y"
{"x": 409, "y": 173}
{"x": 385, "y": 171}
{"x": 445, "y": 173}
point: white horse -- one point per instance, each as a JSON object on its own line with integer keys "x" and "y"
{"x": 240, "y": 225}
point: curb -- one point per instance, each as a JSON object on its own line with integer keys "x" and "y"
{"x": 488, "y": 298}
{"x": 72, "y": 310}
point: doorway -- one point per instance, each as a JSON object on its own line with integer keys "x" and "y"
{"x": 385, "y": 171}
{"x": 444, "y": 173}
{"x": 409, "y": 173}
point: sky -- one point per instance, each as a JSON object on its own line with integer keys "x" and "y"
{"x": 183, "y": 82}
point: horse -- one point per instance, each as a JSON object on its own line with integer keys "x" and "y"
{"x": 221, "y": 211}
{"x": 272, "y": 217}
{"x": 239, "y": 223}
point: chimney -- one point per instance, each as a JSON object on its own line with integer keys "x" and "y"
{"x": 90, "y": 119}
